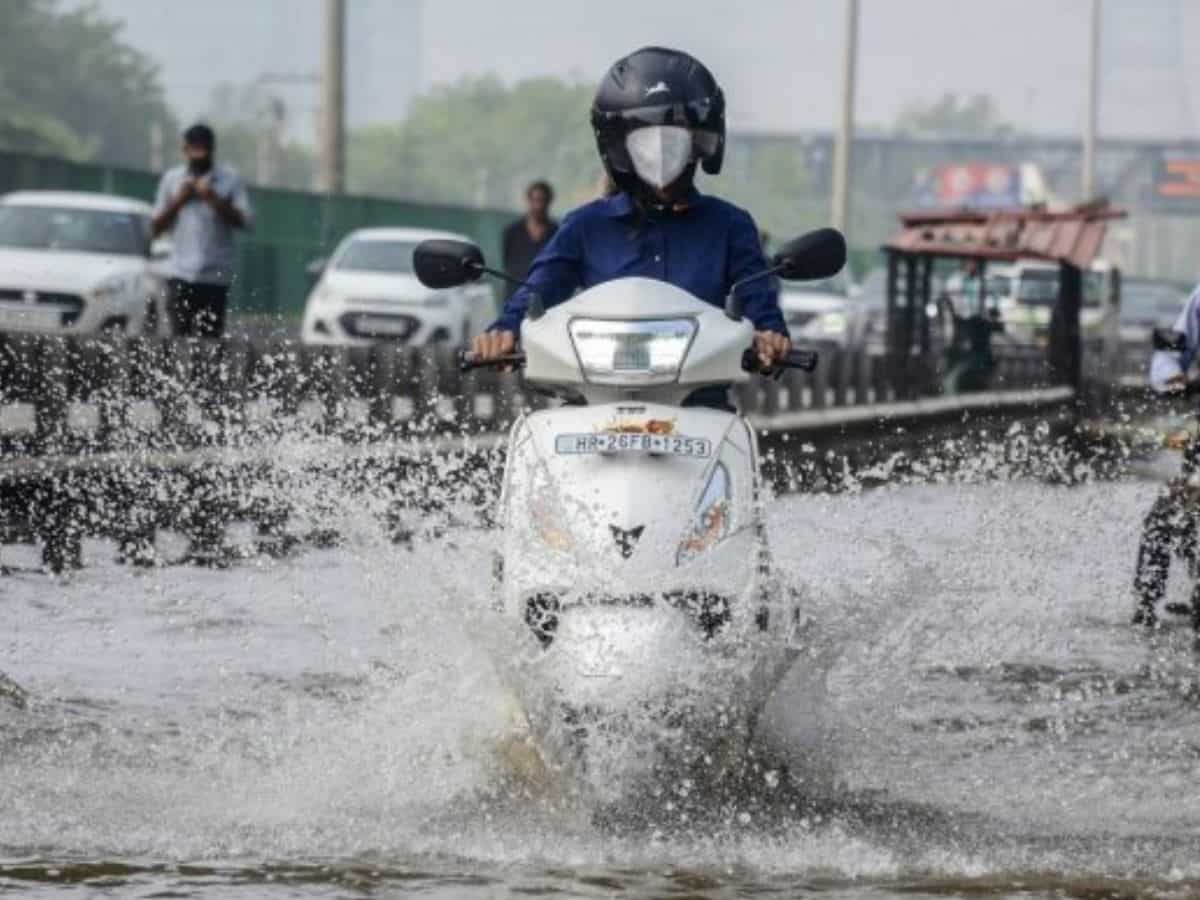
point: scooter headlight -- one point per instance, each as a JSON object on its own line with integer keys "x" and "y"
{"x": 712, "y": 517}
{"x": 643, "y": 352}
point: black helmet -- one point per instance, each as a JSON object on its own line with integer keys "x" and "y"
{"x": 656, "y": 86}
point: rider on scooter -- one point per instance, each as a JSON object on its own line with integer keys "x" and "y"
{"x": 1172, "y": 521}
{"x": 657, "y": 114}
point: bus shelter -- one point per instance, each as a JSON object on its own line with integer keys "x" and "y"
{"x": 1071, "y": 238}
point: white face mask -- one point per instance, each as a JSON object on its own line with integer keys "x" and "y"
{"x": 659, "y": 153}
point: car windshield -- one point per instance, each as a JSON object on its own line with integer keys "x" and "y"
{"x": 377, "y": 256}
{"x": 1039, "y": 287}
{"x": 75, "y": 230}
{"x": 1158, "y": 301}
{"x": 835, "y": 285}
{"x": 999, "y": 285}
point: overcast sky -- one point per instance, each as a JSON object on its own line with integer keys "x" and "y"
{"x": 777, "y": 59}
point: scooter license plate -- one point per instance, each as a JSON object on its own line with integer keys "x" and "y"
{"x": 614, "y": 442}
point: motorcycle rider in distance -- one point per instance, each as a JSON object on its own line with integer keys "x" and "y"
{"x": 1174, "y": 518}
{"x": 658, "y": 113}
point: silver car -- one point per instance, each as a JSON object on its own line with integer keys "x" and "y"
{"x": 824, "y": 312}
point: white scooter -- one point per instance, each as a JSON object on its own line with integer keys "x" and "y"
{"x": 641, "y": 621}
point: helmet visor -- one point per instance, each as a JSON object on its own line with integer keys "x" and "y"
{"x": 659, "y": 153}
{"x": 697, "y": 116}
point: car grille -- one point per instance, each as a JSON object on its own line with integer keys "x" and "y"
{"x": 72, "y": 304}
{"x": 379, "y": 326}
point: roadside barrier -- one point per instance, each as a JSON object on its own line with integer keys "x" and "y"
{"x": 119, "y": 436}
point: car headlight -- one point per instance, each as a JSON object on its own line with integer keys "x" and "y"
{"x": 631, "y": 352}
{"x": 832, "y": 323}
{"x": 323, "y": 295}
{"x": 112, "y": 288}
{"x": 712, "y": 517}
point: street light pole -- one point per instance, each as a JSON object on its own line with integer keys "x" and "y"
{"x": 332, "y": 163}
{"x": 840, "y": 212}
{"x": 1091, "y": 112}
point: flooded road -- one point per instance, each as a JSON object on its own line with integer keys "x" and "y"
{"x": 325, "y": 726}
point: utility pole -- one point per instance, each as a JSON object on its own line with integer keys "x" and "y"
{"x": 269, "y": 139}
{"x": 840, "y": 212}
{"x": 1092, "y": 110}
{"x": 156, "y": 146}
{"x": 331, "y": 172}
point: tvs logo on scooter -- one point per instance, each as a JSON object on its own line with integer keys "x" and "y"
{"x": 640, "y": 426}
{"x": 626, "y": 540}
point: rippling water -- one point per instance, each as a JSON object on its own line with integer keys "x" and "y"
{"x": 324, "y": 726}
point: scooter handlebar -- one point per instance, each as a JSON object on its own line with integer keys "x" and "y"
{"x": 804, "y": 360}
{"x": 467, "y": 361}
{"x": 1189, "y": 388}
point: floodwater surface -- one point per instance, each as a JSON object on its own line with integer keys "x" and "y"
{"x": 325, "y": 725}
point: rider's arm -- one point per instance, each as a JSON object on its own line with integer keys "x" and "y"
{"x": 1166, "y": 365}
{"x": 554, "y": 276}
{"x": 746, "y": 258}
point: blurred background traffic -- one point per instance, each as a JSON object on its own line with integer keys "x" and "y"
{"x": 364, "y": 125}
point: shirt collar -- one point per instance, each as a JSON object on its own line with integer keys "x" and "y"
{"x": 620, "y": 205}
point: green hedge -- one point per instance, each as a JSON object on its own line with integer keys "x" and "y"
{"x": 292, "y": 227}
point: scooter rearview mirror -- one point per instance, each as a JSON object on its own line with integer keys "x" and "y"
{"x": 443, "y": 263}
{"x": 811, "y": 257}
{"x": 1170, "y": 340}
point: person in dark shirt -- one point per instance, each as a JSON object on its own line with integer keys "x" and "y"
{"x": 657, "y": 115}
{"x": 525, "y": 238}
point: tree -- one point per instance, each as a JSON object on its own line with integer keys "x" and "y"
{"x": 26, "y": 131}
{"x": 952, "y": 117}
{"x": 479, "y": 142}
{"x": 69, "y": 85}
{"x": 773, "y": 182}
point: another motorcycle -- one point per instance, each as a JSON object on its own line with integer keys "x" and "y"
{"x": 1172, "y": 527}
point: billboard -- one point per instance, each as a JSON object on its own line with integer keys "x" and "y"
{"x": 975, "y": 185}
{"x": 1176, "y": 185}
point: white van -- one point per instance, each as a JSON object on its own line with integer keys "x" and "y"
{"x": 1026, "y": 291}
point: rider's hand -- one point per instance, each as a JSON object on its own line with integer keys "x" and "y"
{"x": 1175, "y": 384}
{"x": 493, "y": 345}
{"x": 771, "y": 347}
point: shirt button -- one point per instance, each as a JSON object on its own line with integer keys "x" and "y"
{"x": 658, "y": 259}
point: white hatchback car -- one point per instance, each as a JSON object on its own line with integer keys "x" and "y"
{"x": 77, "y": 263}
{"x": 367, "y": 293}
{"x": 824, "y": 312}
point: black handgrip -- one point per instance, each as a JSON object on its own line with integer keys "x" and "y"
{"x": 1189, "y": 388}
{"x": 467, "y": 361}
{"x": 1169, "y": 340}
{"x": 805, "y": 360}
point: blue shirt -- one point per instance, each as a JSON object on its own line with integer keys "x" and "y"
{"x": 703, "y": 249}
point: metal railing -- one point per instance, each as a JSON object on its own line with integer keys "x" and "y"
{"x": 122, "y": 437}
{"x": 83, "y": 397}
